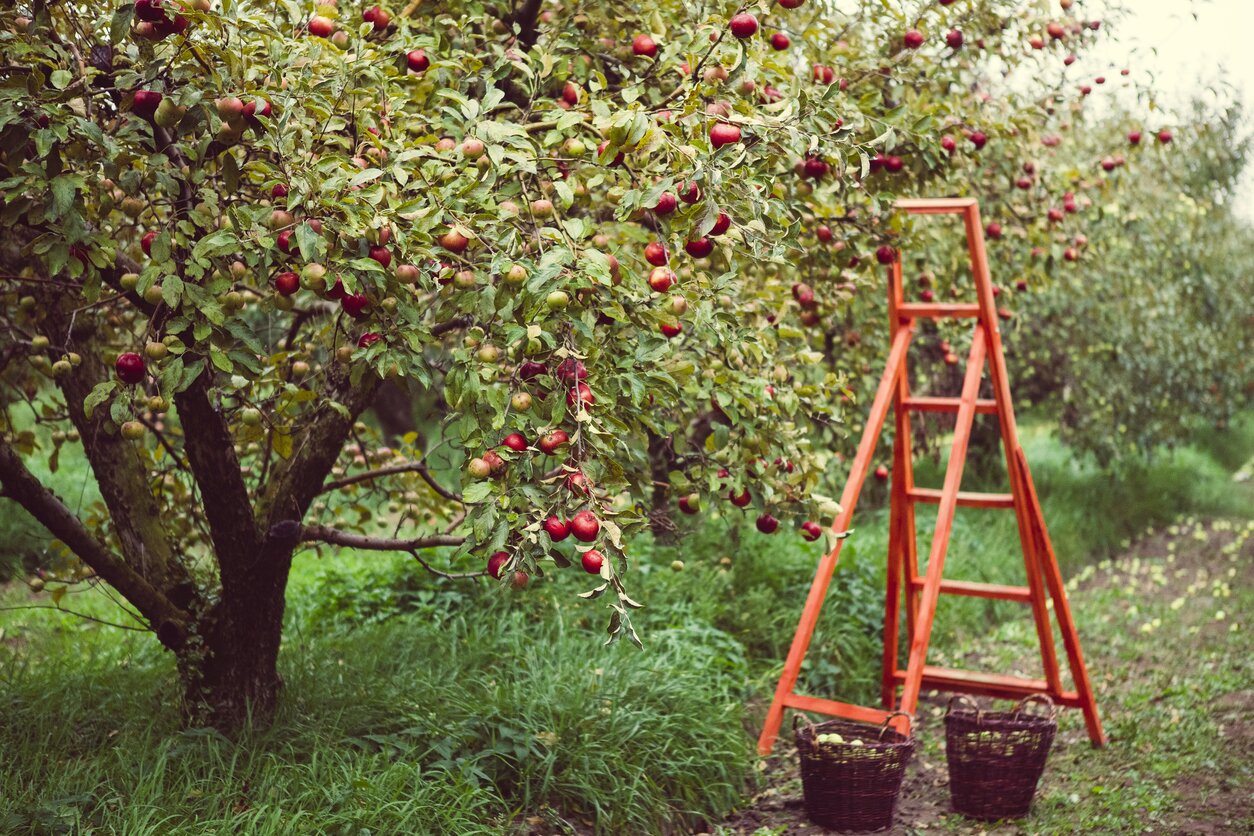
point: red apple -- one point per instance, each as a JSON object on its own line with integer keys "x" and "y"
{"x": 355, "y": 304}
{"x": 320, "y": 26}
{"x": 913, "y": 39}
{"x": 699, "y": 248}
{"x": 585, "y": 526}
{"x": 417, "y": 60}
{"x": 723, "y": 133}
{"x": 690, "y": 504}
{"x": 666, "y": 203}
{"x": 644, "y": 45}
{"x": 978, "y": 139}
{"x": 881, "y": 473}
{"x": 948, "y": 144}
{"x": 744, "y": 25}
{"x": 557, "y": 529}
{"x": 144, "y": 103}
{"x": 549, "y": 442}
{"x": 454, "y": 241}
{"x": 993, "y": 230}
{"x": 721, "y": 224}
{"x": 670, "y": 331}
{"x": 592, "y": 561}
{"x": 886, "y": 254}
{"x": 1134, "y": 137}
{"x": 954, "y": 39}
{"x": 130, "y": 368}
{"x": 287, "y": 283}
{"x": 145, "y": 243}
{"x": 815, "y": 168}
{"x": 515, "y": 442}
{"x": 580, "y": 394}
{"x": 368, "y": 339}
{"x": 740, "y": 500}
{"x": 780, "y": 41}
{"x": 378, "y": 17}
{"x": 381, "y": 255}
{"x": 655, "y": 253}
{"x": 496, "y": 562}
{"x": 811, "y": 530}
{"x": 661, "y": 279}
{"x": 1164, "y": 136}
{"x": 603, "y": 147}
{"x": 570, "y": 370}
{"x": 578, "y": 483}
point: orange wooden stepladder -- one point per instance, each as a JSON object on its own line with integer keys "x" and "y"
{"x": 922, "y": 592}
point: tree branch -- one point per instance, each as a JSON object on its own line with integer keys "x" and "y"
{"x": 45, "y": 506}
{"x": 210, "y": 451}
{"x": 409, "y": 467}
{"x": 365, "y": 542}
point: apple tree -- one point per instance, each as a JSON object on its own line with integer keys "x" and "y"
{"x": 612, "y": 254}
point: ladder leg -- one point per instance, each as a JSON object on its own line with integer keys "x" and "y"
{"x": 823, "y": 577}
{"x": 893, "y": 575}
{"x": 1062, "y": 608}
{"x": 944, "y": 523}
{"x": 999, "y": 378}
{"x": 902, "y": 565}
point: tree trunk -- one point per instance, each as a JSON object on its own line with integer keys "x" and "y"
{"x": 230, "y": 672}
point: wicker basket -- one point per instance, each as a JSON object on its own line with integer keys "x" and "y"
{"x": 852, "y": 787}
{"x": 996, "y": 757}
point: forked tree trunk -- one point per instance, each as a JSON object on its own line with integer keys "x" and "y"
{"x": 230, "y": 673}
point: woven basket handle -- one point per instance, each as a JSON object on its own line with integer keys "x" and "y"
{"x": 802, "y": 716}
{"x": 1041, "y": 698}
{"x": 889, "y": 719}
{"x": 963, "y": 698}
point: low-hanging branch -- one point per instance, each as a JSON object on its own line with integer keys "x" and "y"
{"x": 391, "y": 470}
{"x": 366, "y": 542}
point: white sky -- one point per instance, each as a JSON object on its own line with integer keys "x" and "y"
{"x": 1196, "y": 42}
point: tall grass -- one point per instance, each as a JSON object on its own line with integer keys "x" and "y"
{"x": 419, "y": 705}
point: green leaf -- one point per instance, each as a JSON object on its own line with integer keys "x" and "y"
{"x": 477, "y": 491}
{"x": 60, "y": 79}
{"x": 98, "y": 395}
{"x": 172, "y": 290}
{"x": 120, "y": 26}
{"x": 220, "y": 360}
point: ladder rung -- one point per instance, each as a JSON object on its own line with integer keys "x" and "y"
{"x": 935, "y": 205}
{"x": 984, "y": 406}
{"x": 917, "y": 310}
{"x": 832, "y": 708}
{"x": 981, "y": 590}
{"x": 968, "y": 499}
{"x": 988, "y": 684}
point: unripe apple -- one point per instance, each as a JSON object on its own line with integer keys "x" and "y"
{"x": 157, "y": 405}
{"x": 521, "y": 401}
{"x": 557, "y": 300}
{"x": 153, "y": 295}
{"x": 542, "y": 208}
{"x": 472, "y": 148}
{"x": 133, "y": 430}
{"x": 679, "y": 305}
{"x": 129, "y": 281}
{"x": 156, "y": 351}
{"x": 516, "y": 275}
{"x": 488, "y": 353}
{"x": 478, "y": 469}
{"x": 454, "y": 241}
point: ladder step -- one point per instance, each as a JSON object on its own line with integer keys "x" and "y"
{"x": 832, "y": 708}
{"x": 973, "y": 589}
{"x": 983, "y": 406}
{"x": 921, "y": 310}
{"x": 988, "y": 684}
{"x": 968, "y": 499}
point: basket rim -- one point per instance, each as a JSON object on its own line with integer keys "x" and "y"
{"x": 1000, "y": 718}
{"x": 890, "y": 739}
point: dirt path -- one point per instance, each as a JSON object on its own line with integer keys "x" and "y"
{"x": 1171, "y": 649}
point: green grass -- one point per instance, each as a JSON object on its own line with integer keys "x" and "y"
{"x": 425, "y": 706}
